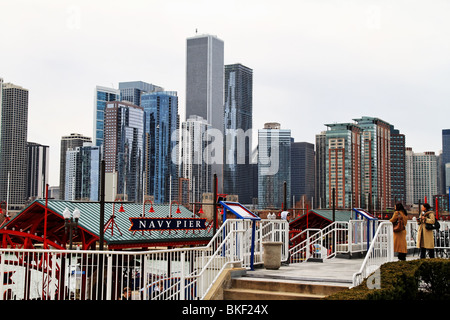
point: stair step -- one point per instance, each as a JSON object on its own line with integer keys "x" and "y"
{"x": 252, "y": 294}
{"x": 284, "y": 286}
{"x": 271, "y": 289}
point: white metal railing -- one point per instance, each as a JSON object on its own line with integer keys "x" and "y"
{"x": 184, "y": 274}
{"x": 339, "y": 237}
{"x": 381, "y": 250}
{"x": 319, "y": 243}
{"x": 442, "y": 240}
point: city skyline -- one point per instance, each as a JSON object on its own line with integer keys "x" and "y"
{"x": 313, "y": 64}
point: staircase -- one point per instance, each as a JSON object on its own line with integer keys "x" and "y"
{"x": 244, "y": 288}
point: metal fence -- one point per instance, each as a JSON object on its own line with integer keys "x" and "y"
{"x": 381, "y": 250}
{"x": 185, "y": 274}
{"x": 339, "y": 237}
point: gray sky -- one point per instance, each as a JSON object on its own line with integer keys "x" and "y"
{"x": 314, "y": 61}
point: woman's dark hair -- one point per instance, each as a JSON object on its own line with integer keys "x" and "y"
{"x": 399, "y": 207}
{"x": 427, "y": 206}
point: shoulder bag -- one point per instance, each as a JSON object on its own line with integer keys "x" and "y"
{"x": 399, "y": 225}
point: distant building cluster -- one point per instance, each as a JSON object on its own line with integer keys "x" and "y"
{"x": 152, "y": 154}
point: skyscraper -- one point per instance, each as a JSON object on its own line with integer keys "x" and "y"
{"x": 69, "y": 142}
{"x": 377, "y": 166}
{"x": 123, "y": 147}
{"x": 398, "y": 167}
{"x": 37, "y": 170}
{"x": 409, "y": 180}
{"x": 132, "y": 91}
{"x": 320, "y": 171}
{"x": 205, "y": 79}
{"x": 205, "y": 87}
{"x": 445, "y": 159}
{"x": 195, "y": 163}
{"x": 238, "y": 129}
{"x": 82, "y": 173}
{"x": 161, "y": 124}
{"x": 344, "y": 165}
{"x": 425, "y": 176}
{"x": 13, "y": 144}
{"x": 274, "y": 166}
{"x": 302, "y": 171}
{"x": 102, "y": 96}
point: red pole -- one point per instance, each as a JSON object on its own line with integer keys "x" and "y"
{"x": 46, "y": 216}
{"x": 437, "y": 208}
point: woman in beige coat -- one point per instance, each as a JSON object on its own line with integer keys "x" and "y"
{"x": 425, "y": 237}
{"x": 400, "y": 237}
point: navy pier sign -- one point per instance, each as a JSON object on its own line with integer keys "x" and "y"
{"x": 161, "y": 224}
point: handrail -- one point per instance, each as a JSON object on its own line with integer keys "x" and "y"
{"x": 381, "y": 250}
{"x": 181, "y": 273}
{"x": 321, "y": 244}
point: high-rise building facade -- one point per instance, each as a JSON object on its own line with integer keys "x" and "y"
{"x": 82, "y": 173}
{"x": 344, "y": 167}
{"x": 69, "y": 142}
{"x": 398, "y": 167}
{"x": 90, "y": 157}
{"x": 302, "y": 171}
{"x": 132, "y": 91}
{"x": 124, "y": 147}
{"x": 102, "y": 96}
{"x": 161, "y": 124}
{"x": 409, "y": 179}
{"x": 274, "y": 166}
{"x": 445, "y": 159}
{"x": 320, "y": 171}
{"x": 37, "y": 170}
{"x": 425, "y": 176}
{"x": 421, "y": 176}
{"x": 238, "y": 132}
{"x": 195, "y": 164}
{"x": 13, "y": 144}
{"x": 205, "y": 88}
{"x": 377, "y": 166}
{"x": 205, "y": 79}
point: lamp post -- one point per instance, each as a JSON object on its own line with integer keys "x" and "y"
{"x": 71, "y": 222}
{"x": 143, "y": 208}
{"x": 178, "y": 208}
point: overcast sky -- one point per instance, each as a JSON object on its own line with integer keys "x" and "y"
{"x": 314, "y": 61}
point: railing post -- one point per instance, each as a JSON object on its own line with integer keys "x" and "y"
{"x": 182, "y": 277}
{"x": 109, "y": 278}
{"x": 390, "y": 234}
{"x": 2, "y": 259}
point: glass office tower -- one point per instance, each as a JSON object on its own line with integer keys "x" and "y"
{"x": 102, "y": 96}
{"x": 70, "y": 142}
{"x": 238, "y": 175}
{"x": 37, "y": 170}
{"x": 132, "y": 91}
{"x": 377, "y": 164}
{"x": 161, "y": 124}
{"x": 123, "y": 147}
{"x": 274, "y": 166}
{"x": 195, "y": 164}
{"x": 445, "y": 159}
{"x": 205, "y": 86}
{"x": 302, "y": 171}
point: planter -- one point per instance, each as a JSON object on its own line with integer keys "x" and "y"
{"x": 272, "y": 255}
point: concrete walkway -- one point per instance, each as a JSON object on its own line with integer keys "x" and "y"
{"x": 335, "y": 271}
